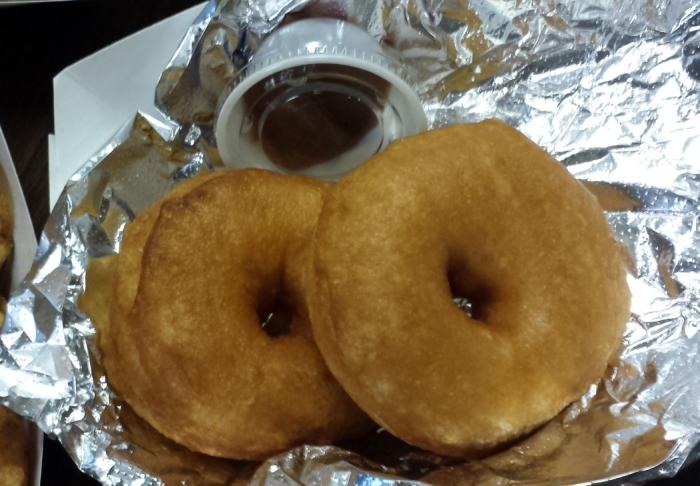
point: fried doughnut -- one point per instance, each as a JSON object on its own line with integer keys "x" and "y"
{"x": 152, "y": 452}
{"x": 14, "y": 450}
{"x": 14, "y": 439}
{"x": 479, "y": 212}
{"x": 6, "y": 225}
{"x": 185, "y": 347}
{"x": 102, "y": 287}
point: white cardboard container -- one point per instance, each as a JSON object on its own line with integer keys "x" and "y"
{"x": 22, "y": 257}
{"x": 95, "y": 96}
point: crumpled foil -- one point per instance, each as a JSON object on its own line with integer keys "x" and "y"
{"x": 609, "y": 88}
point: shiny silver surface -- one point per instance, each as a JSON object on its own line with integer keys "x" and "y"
{"x": 610, "y": 88}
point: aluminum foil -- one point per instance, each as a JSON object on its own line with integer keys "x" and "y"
{"x": 610, "y": 88}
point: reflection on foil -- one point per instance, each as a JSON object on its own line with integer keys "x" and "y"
{"x": 612, "y": 89}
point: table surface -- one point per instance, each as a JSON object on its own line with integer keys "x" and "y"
{"x": 38, "y": 41}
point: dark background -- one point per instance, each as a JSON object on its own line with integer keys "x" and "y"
{"x": 36, "y": 43}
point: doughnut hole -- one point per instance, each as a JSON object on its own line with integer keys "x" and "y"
{"x": 469, "y": 297}
{"x": 275, "y": 315}
{"x": 278, "y": 322}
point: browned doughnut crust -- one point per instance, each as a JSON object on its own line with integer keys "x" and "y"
{"x": 483, "y": 210}
{"x": 190, "y": 355}
{"x": 14, "y": 450}
{"x": 6, "y": 226}
{"x": 121, "y": 290}
{"x": 153, "y": 452}
{"x": 14, "y": 439}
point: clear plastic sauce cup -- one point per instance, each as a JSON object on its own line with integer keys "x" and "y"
{"x": 319, "y": 98}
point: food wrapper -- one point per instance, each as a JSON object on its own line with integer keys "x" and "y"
{"x": 611, "y": 89}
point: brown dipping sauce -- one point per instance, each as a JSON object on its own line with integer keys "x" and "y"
{"x": 313, "y": 126}
{"x": 312, "y": 114}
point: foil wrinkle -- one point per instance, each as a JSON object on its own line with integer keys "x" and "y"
{"x": 611, "y": 89}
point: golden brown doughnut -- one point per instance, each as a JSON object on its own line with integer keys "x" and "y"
{"x": 14, "y": 439}
{"x": 475, "y": 211}
{"x": 6, "y": 227}
{"x": 185, "y": 348}
{"x": 119, "y": 292}
{"x": 14, "y": 450}
{"x": 153, "y": 453}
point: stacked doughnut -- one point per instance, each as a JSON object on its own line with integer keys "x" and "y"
{"x": 14, "y": 439}
{"x": 251, "y": 312}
